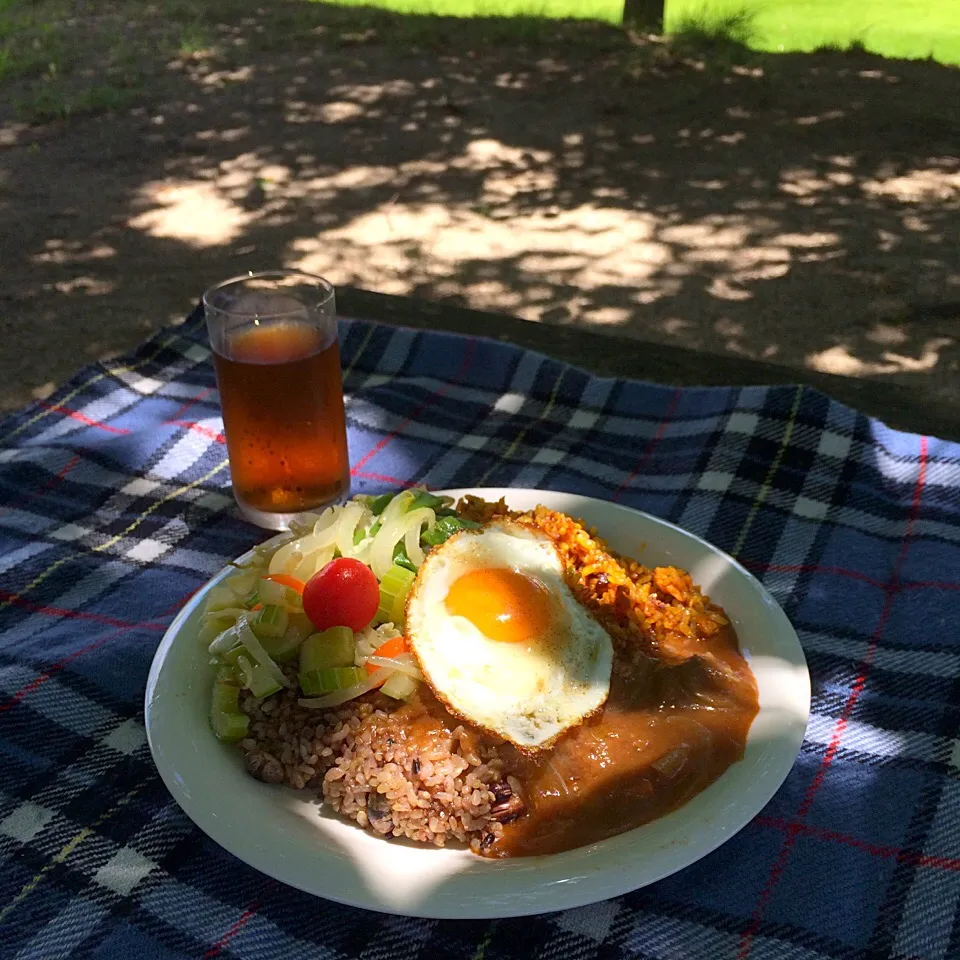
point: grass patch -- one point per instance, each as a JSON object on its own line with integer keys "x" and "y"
{"x": 195, "y": 37}
{"x": 725, "y": 28}
{"x": 61, "y": 58}
{"x": 610, "y": 11}
{"x": 719, "y": 39}
{"x": 895, "y": 28}
{"x": 53, "y": 102}
{"x": 28, "y": 47}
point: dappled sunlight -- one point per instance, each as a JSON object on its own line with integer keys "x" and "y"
{"x": 224, "y": 135}
{"x": 801, "y": 210}
{"x": 71, "y": 252}
{"x": 813, "y": 119}
{"x": 724, "y": 290}
{"x": 839, "y": 360}
{"x": 808, "y": 183}
{"x": 238, "y": 174}
{"x": 420, "y": 243}
{"x": 339, "y": 111}
{"x": 195, "y": 213}
{"x": 924, "y": 185}
{"x": 887, "y": 334}
{"x": 90, "y": 286}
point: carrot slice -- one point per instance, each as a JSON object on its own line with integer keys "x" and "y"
{"x": 287, "y": 581}
{"x": 392, "y": 648}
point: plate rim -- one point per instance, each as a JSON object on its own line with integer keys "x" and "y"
{"x": 570, "y": 895}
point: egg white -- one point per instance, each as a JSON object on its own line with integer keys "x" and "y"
{"x": 527, "y": 693}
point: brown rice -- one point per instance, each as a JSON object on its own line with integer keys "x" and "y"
{"x": 398, "y": 770}
{"x": 412, "y": 770}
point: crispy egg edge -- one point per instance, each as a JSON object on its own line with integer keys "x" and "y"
{"x": 524, "y": 749}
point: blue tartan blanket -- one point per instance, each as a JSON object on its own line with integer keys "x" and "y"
{"x": 115, "y": 507}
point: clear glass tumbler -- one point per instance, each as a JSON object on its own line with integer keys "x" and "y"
{"x": 277, "y": 360}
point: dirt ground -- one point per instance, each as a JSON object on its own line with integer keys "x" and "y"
{"x": 800, "y": 209}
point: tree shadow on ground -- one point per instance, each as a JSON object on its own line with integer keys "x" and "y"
{"x": 802, "y": 209}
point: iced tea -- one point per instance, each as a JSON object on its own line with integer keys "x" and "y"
{"x": 282, "y": 399}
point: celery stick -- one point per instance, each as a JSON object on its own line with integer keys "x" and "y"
{"x": 292, "y": 601}
{"x": 270, "y": 621}
{"x": 270, "y": 591}
{"x": 332, "y": 648}
{"x": 256, "y": 678}
{"x": 240, "y": 583}
{"x": 212, "y": 629}
{"x": 285, "y": 648}
{"x": 231, "y": 727}
{"x": 226, "y": 697}
{"x": 231, "y": 656}
{"x": 226, "y": 718}
{"x": 310, "y": 684}
{"x": 219, "y": 598}
{"x": 315, "y": 683}
{"x": 223, "y": 641}
{"x": 394, "y": 588}
{"x": 304, "y": 625}
{"x": 400, "y": 686}
{"x": 227, "y": 675}
{"x": 397, "y": 580}
{"x": 262, "y": 683}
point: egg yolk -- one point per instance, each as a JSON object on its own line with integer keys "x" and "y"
{"x": 502, "y": 604}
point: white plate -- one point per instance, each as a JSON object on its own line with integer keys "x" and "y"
{"x": 276, "y": 831}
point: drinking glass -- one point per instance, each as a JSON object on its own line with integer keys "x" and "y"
{"x": 277, "y": 361}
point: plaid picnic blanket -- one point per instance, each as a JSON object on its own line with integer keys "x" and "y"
{"x": 115, "y": 506}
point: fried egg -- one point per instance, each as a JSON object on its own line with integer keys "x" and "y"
{"x": 501, "y": 639}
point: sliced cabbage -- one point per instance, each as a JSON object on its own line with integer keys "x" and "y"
{"x": 224, "y": 641}
{"x": 344, "y": 530}
{"x": 396, "y": 521}
{"x": 375, "y": 530}
{"x": 370, "y": 639}
{"x": 270, "y": 592}
{"x": 220, "y": 598}
{"x": 415, "y": 522}
{"x": 402, "y": 663}
{"x": 399, "y": 686}
{"x": 241, "y": 584}
{"x": 212, "y": 628}
{"x": 228, "y": 613}
{"x": 351, "y": 516}
{"x": 250, "y": 640}
{"x": 334, "y": 531}
{"x": 339, "y": 697}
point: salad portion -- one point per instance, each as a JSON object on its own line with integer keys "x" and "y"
{"x": 320, "y": 608}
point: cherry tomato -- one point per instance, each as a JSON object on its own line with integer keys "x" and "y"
{"x": 345, "y": 593}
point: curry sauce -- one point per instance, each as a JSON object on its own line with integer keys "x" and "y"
{"x": 666, "y": 733}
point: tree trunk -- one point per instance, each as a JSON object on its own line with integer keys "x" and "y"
{"x": 644, "y": 14}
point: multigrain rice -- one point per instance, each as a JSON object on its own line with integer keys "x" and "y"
{"x": 412, "y": 770}
{"x": 429, "y": 788}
